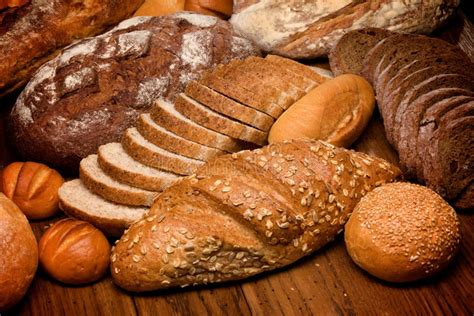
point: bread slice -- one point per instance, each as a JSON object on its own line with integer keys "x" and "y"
{"x": 153, "y": 156}
{"x": 166, "y": 115}
{"x": 297, "y": 68}
{"x": 348, "y": 55}
{"x": 243, "y": 95}
{"x": 76, "y": 201}
{"x": 165, "y": 139}
{"x": 119, "y": 165}
{"x": 229, "y": 107}
{"x": 94, "y": 178}
{"x": 206, "y": 117}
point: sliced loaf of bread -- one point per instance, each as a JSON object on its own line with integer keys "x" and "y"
{"x": 165, "y": 114}
{"x": 153, "y": 156}
{"x": 229, "y": 107}
{"x": 115, "y": 161}
{"x": 208, "y": 118}
{"x": 77, "y": 201}
{"x": 298, "y": 69}
{"x": 165, "y": 139}
{"x": 98, "y": 182}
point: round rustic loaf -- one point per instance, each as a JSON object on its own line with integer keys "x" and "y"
{"x": 19, "y": 254}
{"x": 89, "y": 94}
{"x": 308, "y": 29}
{"x": 402, "y": 232}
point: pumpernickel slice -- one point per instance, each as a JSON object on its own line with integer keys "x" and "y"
{"x": 409, "y": 125}
{"x": 429, "y": 124}
{"x": 348, "y": 55}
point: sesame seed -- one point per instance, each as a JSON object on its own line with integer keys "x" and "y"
{"x": 226, "y": 189}
{"x": 240, "y": 255}
{"x": 164, "y": 258}
{"x": 169, "y": 249}
{"x": 136, "y": 258}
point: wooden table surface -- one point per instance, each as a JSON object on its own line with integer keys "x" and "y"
{"x": 325, "y": 283}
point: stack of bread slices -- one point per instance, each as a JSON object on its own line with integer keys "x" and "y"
{"x": 227, "y": 110}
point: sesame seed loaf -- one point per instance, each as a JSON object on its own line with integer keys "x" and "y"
{"x": 165, "y": 139}
{"x": 347, "y": 56}
{"x": 229, "y": 107}
{"x": 225, "y": 223}
{"x": 208, "y": 118}
{"x": 165, "y": 114}
{"x": 115, "y": 162}
{"x": 156, "y": 157}
{"x": 76, "y": 201}
{"x": 98, "y": 182}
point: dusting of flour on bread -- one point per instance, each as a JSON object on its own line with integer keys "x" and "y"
{"x": 194, "y": 44}
{"x": 133, "y": 43}
{"x": 197, "y": 19}
{"x": 150, "y": 90}
{"x": 136, "y": 21}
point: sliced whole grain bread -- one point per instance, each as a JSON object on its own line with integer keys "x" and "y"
{"x": 166, "y": 115}
{"x": 429, "y": 124}
{"x": 153, "y": 156}
{"x": 452, "y": 170}
{"x": 165, "y": 139}
{"x": 348, "y": 55}
{"x": 229, "y": 107}
{"x": 243, "y": 95}
{"x": 208, "y": 118}
{"x": 297, "y": 68}
{"x": 115, "y": 162}
{"x": 77, "y": 201}
{"x": 98, "y": 182}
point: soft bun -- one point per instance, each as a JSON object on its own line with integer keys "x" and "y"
{"x": 402, "y": 232}
{"x": 18, "y": 254}
{"x": 74, "y": 252}
{"x": 33, "y": 187}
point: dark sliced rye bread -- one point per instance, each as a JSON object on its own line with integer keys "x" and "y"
{"x": 447, "y": 80}
{"x": 153, "y": 156}
{"x": 275, "y": 94}
{"x": 98, "y": 182}
{"x": 165, "y": 114}
{"x": 208, "y": 118}
{"x": 410, "y": 122}
{"x": 348, "y": 55}
{"x": 116, "y": 163}
{"x": 429, "y": 124}
{"x": 242, "y": 95}
{"x": 111, "y": 218}
{"x": 165, "y": 139}
{"x": 229, "y": 107}
{"x": 452, "y": 170}
{"x": 297, "y": 68}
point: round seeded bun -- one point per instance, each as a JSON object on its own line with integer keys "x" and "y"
{"x": 402, "y": 232}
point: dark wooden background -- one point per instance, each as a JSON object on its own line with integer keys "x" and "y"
{"x": 325, "y": 283}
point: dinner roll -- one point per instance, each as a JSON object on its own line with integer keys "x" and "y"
{"x": 402, "y": 232}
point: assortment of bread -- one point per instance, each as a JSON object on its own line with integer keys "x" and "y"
{"x": 167, "y": 120}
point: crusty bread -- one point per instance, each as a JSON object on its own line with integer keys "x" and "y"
{"x": 154, "y": 156}
{"x": 165, "y": 139}
{"x": 402, "y": 232}
{"x": 208, "y": 118}
{"x": 115, "y": 161}
{"x": 165, "y": 114}
{"x": 246, "y": 213}
{"x": 98, "y": 182}
{"x": 76, "y": 201}
{"x": 229, "y": 107}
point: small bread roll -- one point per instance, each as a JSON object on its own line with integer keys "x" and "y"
{"x": 160, "y": 7}
{"x": 18, "y": 254}
{"x": 74, "y": 252}
{"x": 402, "y": 232}
{"x": 33, "y": 187}
{"x": 336, "y": 111}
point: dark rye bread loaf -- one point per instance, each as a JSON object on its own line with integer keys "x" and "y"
{"x": 31, "y": 34}
{"x": 347, "y": 56}
{"x": 96, "y": 88}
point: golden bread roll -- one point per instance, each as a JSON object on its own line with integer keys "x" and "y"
{"x": 74, "y": 252}
{"x": 219, "y": 8}
{"x": 33, "y": 187}
{"x": 402, "y": 232}
{"x": 19, "y": 254}
{"x": 336, "y": 111}
{"x": 160, "y": 7}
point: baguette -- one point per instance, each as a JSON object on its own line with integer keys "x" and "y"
{"x": 246, "y": 213}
